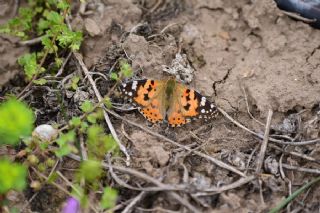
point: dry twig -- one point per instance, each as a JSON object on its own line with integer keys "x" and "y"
{"x": 217, "y": 190}
{"x": 134, "y": 202}
{"x": 301, "y": 169}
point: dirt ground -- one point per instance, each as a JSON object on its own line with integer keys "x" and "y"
{"x": 246, "y": 56}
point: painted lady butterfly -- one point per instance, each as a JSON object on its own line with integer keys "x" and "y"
{"x": 160, "y": 100}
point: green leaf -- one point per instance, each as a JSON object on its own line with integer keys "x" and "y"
{"x": 66, "y": 138}
{"x": 64, "y": 141}
{"x": 114, "y": 76}
{"x": 126, "y": 69}
{"x": 74, "y": 82}
{"x": 92, "y": 118}
{"x": 99, "y": 143}
{"x": 77, "y": 40}
{"x": 109, "y": 198}
{"x": 54, "y": 17}
{"x": 40, "y": 81}
{"x": 13, "y": 176}
{"x": 79, "y": 193}
{"x": 53, "y": 177}
{"x": 29, "y": 64}
{"x": 48, "y": 44}
{"x": 63, "y": 5}
{"x": 86, "y": 106}
{"x": 22, "y": 24}
{"x": 84, "y": 127}
{"x": 75, "y": 121}
{"x": 90, "y": 170}
{"x": 16, "y": 121}
{"x": 71, "y": 39}
{"x": 58, "y": 62}
{"x": 107, "y": 102}
{"x": 63, "y": 150}
{"x": 42, "y": 25}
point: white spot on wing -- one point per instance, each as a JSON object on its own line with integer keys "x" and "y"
{"x": 203, "y": 101}
{"x": 212, "y": 105}
{"x": 130, "y": 93}
{"x": 124, "y": 84}
{"x": 203, "y": 111}
{"x": 134, "y": 85}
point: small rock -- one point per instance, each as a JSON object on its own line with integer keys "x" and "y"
{"x": 159, "y": 155}
{"x": 91, "y": 27}
{"x": 271, "y": 165}
{"x": 45, "y": 132}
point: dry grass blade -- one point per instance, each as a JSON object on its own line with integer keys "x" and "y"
{"x": 264, "y": 144}
{"x": 293, "y": 196}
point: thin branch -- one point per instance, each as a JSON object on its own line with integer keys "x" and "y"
{"x": 60, "y": 71}
{"x": 31, "y": 41}
{"x": 296, "y": 154}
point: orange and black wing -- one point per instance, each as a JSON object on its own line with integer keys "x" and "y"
{"x": 147, "y": 95}
{"x": 187, "y": 104}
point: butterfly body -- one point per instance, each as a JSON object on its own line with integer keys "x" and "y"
{"x": 160, "y": 100}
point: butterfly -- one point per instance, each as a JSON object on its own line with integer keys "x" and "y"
{"x": 168, "y": 100}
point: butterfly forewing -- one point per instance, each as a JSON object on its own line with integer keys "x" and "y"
{"x": 147, "y": 95}
{"x": 188, "y": 104}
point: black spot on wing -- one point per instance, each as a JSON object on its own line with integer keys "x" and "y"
{"x": 187, "y": 107}
{"x": 146, "y": 97}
